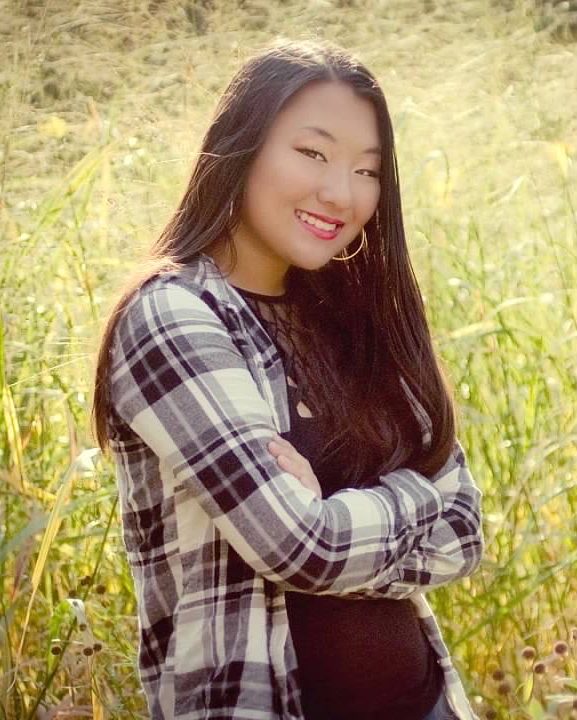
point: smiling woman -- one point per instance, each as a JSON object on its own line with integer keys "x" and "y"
{"x": 289, "y": 476}
{"x": 311, "y": 189}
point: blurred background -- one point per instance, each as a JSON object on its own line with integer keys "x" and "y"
{"x": 102, "y": 107}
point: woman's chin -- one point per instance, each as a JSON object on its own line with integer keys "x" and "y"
{"x": 311, "y": 262}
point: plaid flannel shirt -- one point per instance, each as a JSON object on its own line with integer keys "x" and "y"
{"x": 215, "y": 532}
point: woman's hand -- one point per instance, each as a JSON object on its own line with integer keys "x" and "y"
{"x": 291, "y": 461}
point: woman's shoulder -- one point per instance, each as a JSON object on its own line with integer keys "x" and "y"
{"x": 197, "y": 288}
{"x": 199, "y": 277}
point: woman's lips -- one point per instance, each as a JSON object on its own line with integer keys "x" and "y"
{"x": 317, "y": 232}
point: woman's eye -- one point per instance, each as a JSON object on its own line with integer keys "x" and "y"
{"x": 314, "y": 154}
{"x": 369, "y": 173}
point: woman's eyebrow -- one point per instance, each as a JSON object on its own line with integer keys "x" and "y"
{"x": 326, "y": 134}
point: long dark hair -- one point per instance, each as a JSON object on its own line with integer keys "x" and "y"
{"x": 384, "y": 373}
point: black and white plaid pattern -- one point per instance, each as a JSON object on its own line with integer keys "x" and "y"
{"x": 215, "y": 531}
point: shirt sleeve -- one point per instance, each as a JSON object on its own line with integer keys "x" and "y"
{"x": 453, "y": 546}
{"x": 179, "y": 380}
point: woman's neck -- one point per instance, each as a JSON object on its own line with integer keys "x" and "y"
{"x": 250, "y": 270}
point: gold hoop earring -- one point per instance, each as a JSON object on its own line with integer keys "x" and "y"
{"x": 364, "y": 243}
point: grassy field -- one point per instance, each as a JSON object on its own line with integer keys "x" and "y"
{"x": 102, "y": 105}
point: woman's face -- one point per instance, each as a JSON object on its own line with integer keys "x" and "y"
{"x": 311, "y": 188}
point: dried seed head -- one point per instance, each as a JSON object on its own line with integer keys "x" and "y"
{"x": 85, "y": 581}
{"x": 540, "y": 668}
{"x": 100, "y": 589}
{"x": 88, "y": 651}
{"x": 490, "y": 714}
{"x": 528, "y": 653}
{"x": 97, "y": 647}
{"x": 504, "y": 688}
{"x": 561, "y": 648}
{"x": 82, "y": 627}
{"x": 498, "y": 675}
{"x": 56, "y": 650}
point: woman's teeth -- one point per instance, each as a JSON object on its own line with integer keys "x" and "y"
{"x": 311, "y": 220}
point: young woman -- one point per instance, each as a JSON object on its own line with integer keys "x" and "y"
{"x": 288, "y": 470}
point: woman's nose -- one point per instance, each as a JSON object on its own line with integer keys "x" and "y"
{"x": 336, "y": 190}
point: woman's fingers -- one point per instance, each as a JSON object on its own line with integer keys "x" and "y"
{"x": 289, "y": 465}
{"x": 281, "y": 444}
{"x": 287, "y": 451}
{"x": 288, "y": 462}
{"x": 277, "y": 448}
{"x": 291, "y": 461}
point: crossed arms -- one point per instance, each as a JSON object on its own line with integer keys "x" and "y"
{"x": 183, "y": 386}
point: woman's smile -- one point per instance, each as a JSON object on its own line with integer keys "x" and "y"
{"x": 319, "y": 227}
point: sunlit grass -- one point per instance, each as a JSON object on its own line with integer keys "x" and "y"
{"x": 102, "y": 108}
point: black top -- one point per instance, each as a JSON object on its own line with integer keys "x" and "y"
{"x": 362, "y": 659}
